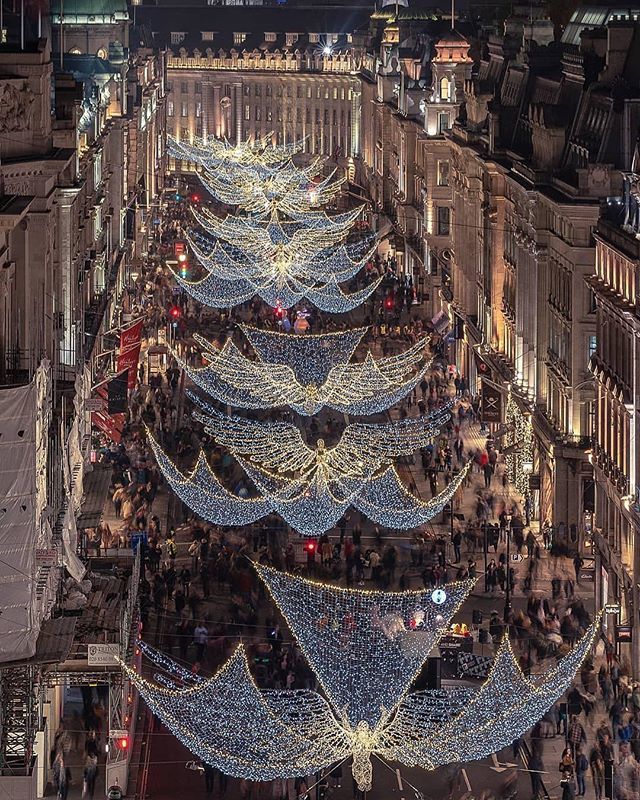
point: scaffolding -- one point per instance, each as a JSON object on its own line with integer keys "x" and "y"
{"x": 20, "y": 715}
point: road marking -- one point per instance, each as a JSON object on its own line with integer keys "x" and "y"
{"x": 466, "y": 779}
{"x": 399, "y": 779}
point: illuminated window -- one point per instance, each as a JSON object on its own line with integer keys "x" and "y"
{"x": 207, "y": 36}
{"x": 102, "y": 53}
{"x": 444, "y": 89}
{"x": 177, "y": 37}
{"x": 314, "y": 38}
{"x": 443, "y": 220}
{"x": 239, "y": 38}
{"x": 443, "y": 173}
{"x": 270, "y": 37}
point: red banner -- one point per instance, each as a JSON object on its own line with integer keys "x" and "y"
{"x": 129, "y": 360}
{"x": 107, "y": 424}
{"x": 130, "y": 337}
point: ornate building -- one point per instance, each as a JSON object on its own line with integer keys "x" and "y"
{"x": 235, "y": 75}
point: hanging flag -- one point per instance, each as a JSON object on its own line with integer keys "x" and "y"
{"x": 117, "y": 393}
{"x": 130, "y": 337}
{"x": 107, "y": 424}
{"x": 128, "y": 360}
{"x": 491, "y": 406}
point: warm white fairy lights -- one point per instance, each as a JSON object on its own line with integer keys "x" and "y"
{"x": 366, "y": 387}
{"x": 287, "y": 188}
{"x": 363, "y": 449}
{"x": 310, "y": 506}
{"x": 259, "y": 152}
{"x": 366, "y": 648}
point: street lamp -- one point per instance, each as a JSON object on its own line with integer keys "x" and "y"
{"x": 507, "y": 596}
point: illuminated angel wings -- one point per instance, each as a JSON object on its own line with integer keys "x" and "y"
{"x": 362, "y": 388}
{"x": 363, "y": 450}
{"x": 310, "y": 506}
{"x": 365, "y": 648}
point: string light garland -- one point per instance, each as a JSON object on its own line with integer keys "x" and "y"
{"x": 518, "y": 446}
{"x": 287, "y": 189}
{"x": 363, "y": 448}
{"x": 259, "y": 152}
{"x": 366, "y": 648}
{"x": 311, "y": 507}
{"x": 362, "y": 388}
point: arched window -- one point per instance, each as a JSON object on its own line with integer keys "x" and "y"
{"x": 75, "y": 51}
{"x": 102, "y": 53}
{"x": 444, "y": 89}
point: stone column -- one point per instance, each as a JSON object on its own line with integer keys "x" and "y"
{"x": 237, "y": 110}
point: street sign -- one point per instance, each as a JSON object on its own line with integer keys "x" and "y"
{"x": 612, "y": 608}
{"x": 517, "y": 557}
{"x": 103, "y": 654}
{"x": 587, "y": 575}
{"x": 94, "y": 404}
{"x": 118, "y": 733}
{"x": 46, "y": 557}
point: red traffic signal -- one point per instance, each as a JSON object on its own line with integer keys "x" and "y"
{"x": 175, "y": 313}
{"x": 123, "y": 742}
{"x": 310, "y": 546}
{"x": 279, "y": 312}
{"x": 195, "y": 198}
{"x": 389, "y": 301}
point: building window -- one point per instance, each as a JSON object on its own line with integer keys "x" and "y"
{"x": 443, "y": 220}
{"x": 443, "y": 122}
{"x": 177, "y": 37}
{"x": 247, "y": 90}
{"x": 102, "y": 53}
{"x": 258, "y": 90}
{"x": 247, "y": 112}
{"x": 184, "y": 87}
{"x": 184, "y": 109}
{"x": 445, "y": 93}
{"x": 258, "y": 114}
{"x": 184, "y": 134}
{"x": 207, "y": 36}
{"x": 593, "y": 344}
{"x": 291, "y": 39}
{"x": 269, "y": 114}
{"x": 169, "y": 108}
{"x": 268, "y": 90}
{"x": 270, "y": 37}
{"x": 443, "y": 173}
{"x": 308, "y": 93}
{"x": 239, "y": 38}
{"x": 298, "y": 115}
{"x": 198, "y": 109}
{"x": 314, "y": 38}
{"x": 198, "y": 87}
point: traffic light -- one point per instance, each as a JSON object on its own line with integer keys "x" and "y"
{"x": 175, "y": 313}
{"x": 195, "y": 198}
{"x": 389, "y": 301}
{"x": 310, "y": 546}
{"x": 123, "y": 742}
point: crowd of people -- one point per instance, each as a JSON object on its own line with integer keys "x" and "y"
{"x": 198, "y": 592}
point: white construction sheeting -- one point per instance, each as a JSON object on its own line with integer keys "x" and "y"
{"x": 19, "y": 621}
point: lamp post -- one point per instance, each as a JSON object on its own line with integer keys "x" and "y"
{"x": 507, "y": 596}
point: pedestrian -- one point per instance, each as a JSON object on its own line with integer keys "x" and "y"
{"x": 576, "y": 735}
{"x": 578, "y": 563}
{"x": 457, "y": 541}
{"x": 209, "y": 773}
{"x": 201, "y": 639}
{"x": 90, "y": 774}
{"x": 596, "y": 765}
{"x": 582, "y": 765}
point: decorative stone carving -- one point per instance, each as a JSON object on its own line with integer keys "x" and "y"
{"x": 16, "y": 106}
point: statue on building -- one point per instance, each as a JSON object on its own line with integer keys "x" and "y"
{"x": 16, "y": 103}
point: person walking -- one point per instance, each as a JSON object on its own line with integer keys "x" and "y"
{"x": 596, "y": 764}
{"x": 576, "y": 736}
{"x": 90, "y": 774}
{"x": 201, "y": 639}
{"x": 582, "y": 765}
